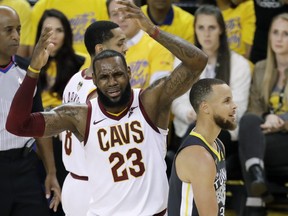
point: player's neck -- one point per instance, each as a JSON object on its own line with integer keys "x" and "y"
{"x": 118, "y": 113}
{"x": 159, "y": 15}
{"x": 88, "y": 72}
{"x": 5, "y": 60}
{"x": 209, "y": 134}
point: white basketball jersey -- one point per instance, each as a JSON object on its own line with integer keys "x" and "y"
{"x": 77, "y": 90}
{"x": 125, "y": 161}
{"x": 11, "y": 78}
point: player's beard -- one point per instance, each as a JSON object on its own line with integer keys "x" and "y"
{"x": 124, "y": 99}
{"x": 224, "y": 124}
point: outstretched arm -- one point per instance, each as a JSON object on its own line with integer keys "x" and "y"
{"x": 159, "y": 96}
{"x": 20, "y": 121}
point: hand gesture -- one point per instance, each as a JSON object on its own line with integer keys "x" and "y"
{"x": 131, "y": 11}
{"x": 52, "y": 187}
{"x": 42, "y": 49}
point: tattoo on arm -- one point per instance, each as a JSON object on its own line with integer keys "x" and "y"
{"x": 184, "y": 50}
{"x": 60, "y": 119}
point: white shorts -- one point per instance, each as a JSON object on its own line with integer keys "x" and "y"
{"x": 76, "y": 194}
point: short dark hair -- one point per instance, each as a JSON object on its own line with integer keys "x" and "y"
{"x": 108, "y": 54}
{"x": 98, "y": 33}
{"x": 201, "y": 89}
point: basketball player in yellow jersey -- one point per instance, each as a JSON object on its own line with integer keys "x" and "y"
{"x": 80, "y": 14}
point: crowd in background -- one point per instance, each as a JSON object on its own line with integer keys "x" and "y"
{"x": 246, "y": 47}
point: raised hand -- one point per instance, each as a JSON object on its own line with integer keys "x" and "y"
{"x": 42, "y": 49}
{"x": 131, "y": 11}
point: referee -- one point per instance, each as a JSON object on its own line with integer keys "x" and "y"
{"x": 21, "y": 192}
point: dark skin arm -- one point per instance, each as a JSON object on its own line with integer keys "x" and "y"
{"x": 158, "y": 97}
{"x": 66, "y": 117}
{"x": 45, "y": 148}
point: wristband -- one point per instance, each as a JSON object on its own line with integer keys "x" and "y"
{"x": 155, "y": 32}
{"x": 33, "y": 70}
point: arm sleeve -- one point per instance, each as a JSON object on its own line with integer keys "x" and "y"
{"x": 37, "y": 101}
{"x": 256, "y": 103}
{"x": 23, "y": 63}
{"x": 20, "y": 121}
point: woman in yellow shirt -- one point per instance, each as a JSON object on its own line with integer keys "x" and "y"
{"x": 63, "y": 63}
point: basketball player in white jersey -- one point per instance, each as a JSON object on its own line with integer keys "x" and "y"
{"x": 76, "y": 192}
{"x": 125, "y": 146}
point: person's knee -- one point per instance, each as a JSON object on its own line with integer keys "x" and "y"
{"x": 248, "y": 120}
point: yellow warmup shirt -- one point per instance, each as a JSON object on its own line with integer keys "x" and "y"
{"x": 50, "y": 99}
{"x": 80, "y": 14}
{"x": 278, "y": 102}
{"x": 178, "y": 22}
{"x": 22, "y": 7}
{"x": 240, "y": 26}
{"x": 146, "y": 58}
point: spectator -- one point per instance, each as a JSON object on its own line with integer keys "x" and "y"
{"x": 265, "y": 10}
{"x": 23, "y": 9}
{"x": 263, "y": 130}
{"x": 147, "y": 59}
{"x": 224, "y": 64}
{"x": 80, "y": 14}
{"x": 170, "y": 18}
{"x": 62, "y": 64}
{"x": 240, "y": 23}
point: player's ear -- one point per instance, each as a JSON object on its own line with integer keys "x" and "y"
{"x": 204, "y": 107}
{"x": 94, "y": 78}
{"x": 129, "y": 72}
{"x": 98, "y": 48}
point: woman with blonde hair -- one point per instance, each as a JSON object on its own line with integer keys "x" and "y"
{"x": 263, "y": 132}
